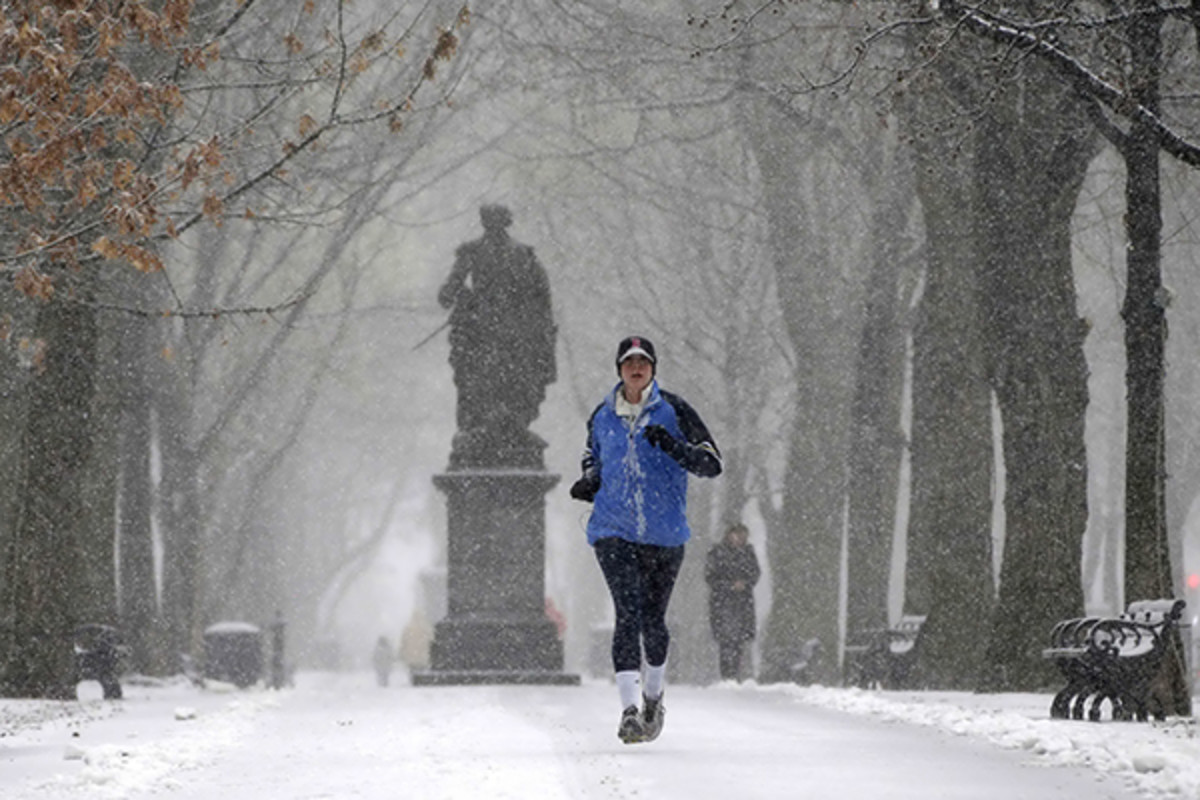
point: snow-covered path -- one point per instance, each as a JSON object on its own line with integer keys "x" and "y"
{"x": 340, "y": 736}
{"x": 531, "y": 742}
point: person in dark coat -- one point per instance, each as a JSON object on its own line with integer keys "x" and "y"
{"x": 731, "y": 571}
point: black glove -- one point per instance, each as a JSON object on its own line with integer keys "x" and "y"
{"x": 585, "y": 488}
{"x": 661, "y": 438}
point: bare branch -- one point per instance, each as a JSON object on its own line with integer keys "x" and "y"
{"x": 212, "y": 313}
{"x": 1084, "y": 80}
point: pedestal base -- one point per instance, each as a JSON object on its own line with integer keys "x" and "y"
{"x": 481, "y": 677}
{"x": 496, "y": 629}
{"x": 510, "y": 642}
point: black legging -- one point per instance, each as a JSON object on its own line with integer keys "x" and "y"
{"x": 640, "y": 578}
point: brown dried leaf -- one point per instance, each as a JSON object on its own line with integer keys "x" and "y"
{"x": 447, "y": 44}
{"x": 37, "y": 358}
{"x": 124, "y": 172}
{"x": 142, "y": 259}
{"x": 372, "y": 41}
{"x": 210, "y": 151}
{"x": 11, "y": 109}
{"x": 107, "y": 248}
{"x": 214, "y": 208}
{"x": 87, "y": 192}
{"x": 31, "y": 283}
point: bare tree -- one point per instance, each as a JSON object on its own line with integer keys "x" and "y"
{"x": 107, "y": 154}
{"x": 1147, "y": 553}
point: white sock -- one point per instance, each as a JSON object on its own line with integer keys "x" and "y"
{"x": 655, "y": 678}
{"x": 628, "y": 685}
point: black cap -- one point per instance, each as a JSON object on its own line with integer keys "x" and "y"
{"x": 635, "y": 346}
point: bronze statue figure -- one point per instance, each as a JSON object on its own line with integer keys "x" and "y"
{"x": 502, "y": 338}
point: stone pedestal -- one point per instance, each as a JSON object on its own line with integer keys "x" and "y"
{"x": 495, "y": 629}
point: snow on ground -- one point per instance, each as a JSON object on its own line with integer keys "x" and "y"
{"x": 1158, "y": 759}
{"x": 340, "y": 736}
{"x": 99, "y": 748}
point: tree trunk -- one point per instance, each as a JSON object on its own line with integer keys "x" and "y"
{"x": 100, "y": 484}
{"x": 181, "y": 526}
{"x": 949, "y": 567}
{"x": 1147, "y": 551}
{"x": 1031, "y": 160}
{"x": 47, "y": 572}
{"x": 876, "y": 438}
{"x": 1147, "y": 560}
{"x": 139, "y": 594}
{"x": 805, "y": 560}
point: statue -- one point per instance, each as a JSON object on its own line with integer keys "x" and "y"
{"x": 502, "y": 338}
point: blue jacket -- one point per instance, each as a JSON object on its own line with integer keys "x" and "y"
{"x": 643, "y": 490}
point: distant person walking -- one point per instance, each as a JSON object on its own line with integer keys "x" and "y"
{"x": 641, "y": 444}
{"x": 731, "y": 571}
{"x": 382, "y": 659}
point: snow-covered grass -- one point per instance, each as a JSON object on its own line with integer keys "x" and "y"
{"x": 1156, "y": 758}
{"x": 121, "y": 747}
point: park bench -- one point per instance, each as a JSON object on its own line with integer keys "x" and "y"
{"x": 1121, "y": 659}
{"x": 884, "y": 658}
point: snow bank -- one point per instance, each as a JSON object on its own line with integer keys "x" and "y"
{"x": 1157, "y": 759}
{"x": 118, "y": 756}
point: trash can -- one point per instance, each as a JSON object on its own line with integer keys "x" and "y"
{"x": 233, "y": 652}
{"x": 98, "y": 651}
